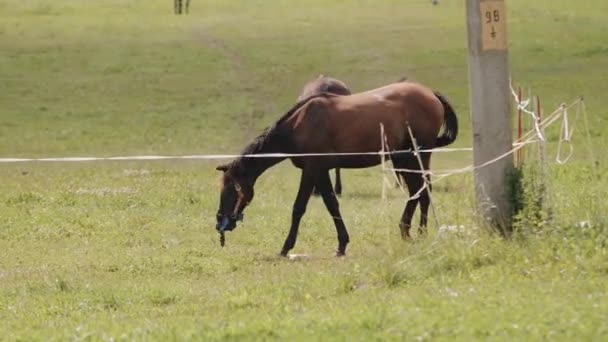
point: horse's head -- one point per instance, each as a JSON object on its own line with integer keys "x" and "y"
{"x": 236, "y": 194}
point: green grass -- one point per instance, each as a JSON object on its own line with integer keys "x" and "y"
{"x": 128, "y": 250}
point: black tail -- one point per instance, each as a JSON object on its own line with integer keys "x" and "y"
{"x": 450, "y": 123}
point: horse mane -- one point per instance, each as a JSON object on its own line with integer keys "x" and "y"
{"x": 258, "y": 144}
{"x": 300, "y": 104}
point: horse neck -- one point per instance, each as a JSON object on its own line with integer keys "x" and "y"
{"x": 255, "y": 166}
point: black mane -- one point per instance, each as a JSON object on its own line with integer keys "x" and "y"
{"x": 301, "y": 103}
{"x": 259, "y": 143}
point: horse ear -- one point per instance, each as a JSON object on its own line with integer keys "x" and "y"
{"x": 223, "y": 167}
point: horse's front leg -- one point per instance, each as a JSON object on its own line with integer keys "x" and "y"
{"x": 332, "y": 205}
{"x": 338, "y": 188}
{"x": 307, "y": 182}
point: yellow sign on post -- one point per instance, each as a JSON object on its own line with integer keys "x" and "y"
{"x": 493, "y": 25}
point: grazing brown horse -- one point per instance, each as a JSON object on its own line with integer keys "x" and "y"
{"x": 327, "y": 123}
{"x": 324, "y": 84}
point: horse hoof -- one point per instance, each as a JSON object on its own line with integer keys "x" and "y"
{"x": 406, "y": 237}
{"x": 283, "y": 254}
{"x": 298, "y": 257}
{"x": 405, "y": 231}
{"x": 339, "y": 254}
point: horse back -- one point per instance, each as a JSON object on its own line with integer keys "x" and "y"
{"x": 324, "y": 84}
{"x": 351, "y": 124}
{"x": 395, "y": 106}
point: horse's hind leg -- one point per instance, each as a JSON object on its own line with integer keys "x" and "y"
{"x": 414, "y": 183}
{"x": 338, "y": 182}
{"x": 332, "y": 205}
{"x": 399, "y": 182}
{"x": 425, "y": 198}
{"x": 307, "y": 182}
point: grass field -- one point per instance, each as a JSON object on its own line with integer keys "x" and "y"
{"x": 128, "y": 250}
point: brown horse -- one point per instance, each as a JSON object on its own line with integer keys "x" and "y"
{"x": 327, "y": 123}
{"x": 324, "y": 84}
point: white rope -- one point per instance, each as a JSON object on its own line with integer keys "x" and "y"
{"x": 186, "y": 157}
{"x": 442, "y": 149}
{"x": 547, "y": 121}
{"x": 382, "y": 161}
{"x": 217, "y": 156}
{"x": 419, "y": 192}
{"x": 527, "y": 138}
{"x": 565, "y": 136}
{"x": 425, "y": 179}
{"x": 588, "y": 132}
{"x": 523, "y": 105}
{"x": 385, "y": 181}
{"x": 448, "y": 172}
{"x": 470, "y": 168}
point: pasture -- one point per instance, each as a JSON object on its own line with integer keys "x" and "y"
{"x": 128, "y": 250}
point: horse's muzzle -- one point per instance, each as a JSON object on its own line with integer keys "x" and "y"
{"x": 226, "y": 223}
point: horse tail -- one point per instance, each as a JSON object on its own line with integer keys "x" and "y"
{"x": 450, "y": 123}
